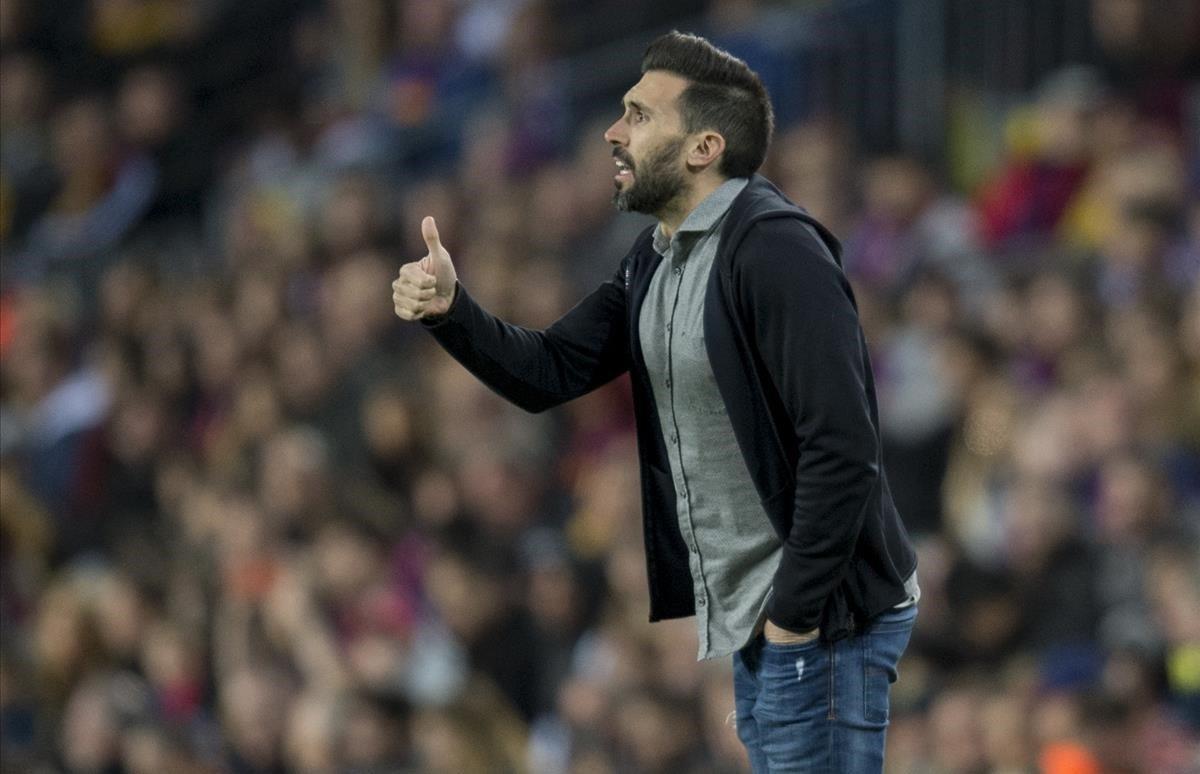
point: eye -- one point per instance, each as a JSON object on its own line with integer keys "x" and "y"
{"x": 639, "y": 116}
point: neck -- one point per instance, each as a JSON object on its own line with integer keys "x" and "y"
{"x": 673, "y": 215}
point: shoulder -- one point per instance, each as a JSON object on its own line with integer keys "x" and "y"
{"x": 764, "y": 226}
{"x": 783, "y": 244}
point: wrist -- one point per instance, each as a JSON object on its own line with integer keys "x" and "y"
{"x": 433, "y": 320}
{"x": 781, "y": 636}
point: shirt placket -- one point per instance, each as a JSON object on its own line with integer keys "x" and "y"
{"x": 675, "y": 453}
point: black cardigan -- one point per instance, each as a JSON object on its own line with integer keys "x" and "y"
{"x": 790, "y": 361}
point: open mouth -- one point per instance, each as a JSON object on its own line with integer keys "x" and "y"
{"x": 624, "y": 171}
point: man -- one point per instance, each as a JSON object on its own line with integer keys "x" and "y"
{"x": 765, "y": 508}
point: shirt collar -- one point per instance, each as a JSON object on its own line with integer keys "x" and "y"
{"x": 705, "y": 215}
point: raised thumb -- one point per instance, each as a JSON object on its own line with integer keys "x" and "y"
{"x": 430, "y": 233}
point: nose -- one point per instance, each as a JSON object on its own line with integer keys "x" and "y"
{"x": 615, "y": 134}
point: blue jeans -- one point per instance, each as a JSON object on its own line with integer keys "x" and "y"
{"x": 819, "y": 706}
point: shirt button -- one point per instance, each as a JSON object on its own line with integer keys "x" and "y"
{"x": 668, "y": 382}
{"x": 668, "y": 327}
{"x": 681, "y": 492}
{"x": 678, "y": 270}
{"x": 702, "y": 600}
{"x": 674, "y": 439}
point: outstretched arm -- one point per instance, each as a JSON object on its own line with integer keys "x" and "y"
{"x": 536, "y": 370}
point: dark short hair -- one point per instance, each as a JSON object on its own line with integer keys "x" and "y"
{"x": 723, "y": 95}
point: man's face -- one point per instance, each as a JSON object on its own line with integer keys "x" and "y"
{"x": 648, "y": 145}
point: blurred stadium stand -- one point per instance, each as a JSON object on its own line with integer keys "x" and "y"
{"x": 251, "y": 523}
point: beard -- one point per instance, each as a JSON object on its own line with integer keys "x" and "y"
{"x": 657, "y": 181}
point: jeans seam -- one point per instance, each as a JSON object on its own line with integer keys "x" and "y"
{"x": 832, "y": 682}
{"x": 868, "y": 710}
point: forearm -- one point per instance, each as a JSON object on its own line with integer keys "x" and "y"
{"x": 537, "y": 370}
{"x": 826, "y": 523}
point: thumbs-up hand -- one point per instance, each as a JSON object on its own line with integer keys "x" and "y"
{"x": 425, "y": 287}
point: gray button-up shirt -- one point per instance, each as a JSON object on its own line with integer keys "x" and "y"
{"x": 733, "y": 549}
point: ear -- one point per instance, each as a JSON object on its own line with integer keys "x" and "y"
{"x": 706, "y": 147}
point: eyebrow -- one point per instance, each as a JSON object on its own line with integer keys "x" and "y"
{"x": 633, "y": 103}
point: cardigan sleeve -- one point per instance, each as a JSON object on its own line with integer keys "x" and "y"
{"x": 539, "y": 369}
{"x": 801, "y": 312}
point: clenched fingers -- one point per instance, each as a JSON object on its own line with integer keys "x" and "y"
{"x": 401, "y": 290}
{"x": 412, "y": 290}
{"x": 411, "y": 306}
{"x": 411, "y": 274}
{"x": 408, "y": 309}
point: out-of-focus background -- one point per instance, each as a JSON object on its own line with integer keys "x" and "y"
{"x": 250, "y": 522}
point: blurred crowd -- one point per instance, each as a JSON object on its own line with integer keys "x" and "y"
{"x": 250, "y": 522}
